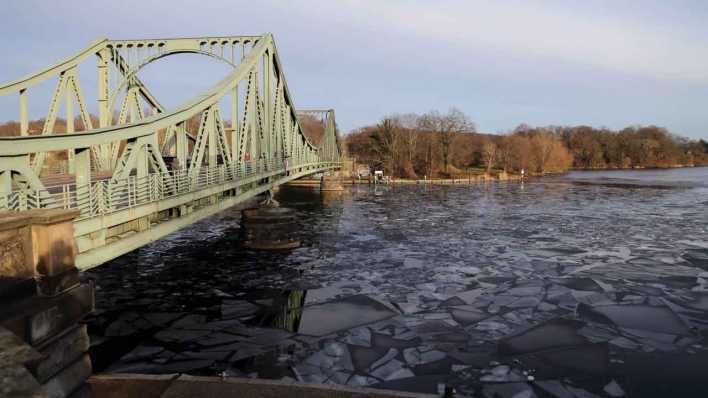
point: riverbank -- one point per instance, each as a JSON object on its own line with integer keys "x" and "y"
{"x": 472, "y": 179}
{"x": 676, "y": 166}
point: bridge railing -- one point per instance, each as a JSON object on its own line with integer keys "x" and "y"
{"x": 106, "y": 196}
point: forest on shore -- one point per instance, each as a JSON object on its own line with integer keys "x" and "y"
{"x": 438, "y": 144}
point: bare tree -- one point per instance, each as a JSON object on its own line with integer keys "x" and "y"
{"x": 446, "y": 126}
{"x": 505, "y": 152}
{"x": 409, "y": 123}
{"x": 549, "y": 154}
{"x": 387, "y": 144}
{"x": 489, "y": 151}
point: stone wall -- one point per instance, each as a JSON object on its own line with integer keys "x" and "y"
{"x": 42, "y": 342}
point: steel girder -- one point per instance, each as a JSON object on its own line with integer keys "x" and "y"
{"x": 263, "y": 145}
{"x": 261, "y": 128}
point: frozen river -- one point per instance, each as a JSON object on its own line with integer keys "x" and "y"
{"x": 591, "y": 284}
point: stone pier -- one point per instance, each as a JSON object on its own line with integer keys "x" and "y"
{"x": 43, "y": 346}
{"x": 269, "y": 226}
{"x": 331, "y": 183}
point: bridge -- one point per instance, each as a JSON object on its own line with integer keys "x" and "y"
{"x": 137, "y": 171}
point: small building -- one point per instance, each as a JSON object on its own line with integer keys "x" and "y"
{"x": 363, "y": 171}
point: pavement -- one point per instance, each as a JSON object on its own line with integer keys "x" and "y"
{"x": 179, "y": 386}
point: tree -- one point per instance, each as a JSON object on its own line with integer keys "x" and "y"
{"x": 387, "y": 143}
{"x": 446, "y": 126}
{"x": 489, "y": 152}
{"x": 312, "y": 127}
{"x": 548, "y": 153}
{"x": 407, "y": 123}
{"x": 504, "y": 152}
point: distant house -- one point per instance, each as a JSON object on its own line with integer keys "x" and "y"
{"x": 363, "y": 171}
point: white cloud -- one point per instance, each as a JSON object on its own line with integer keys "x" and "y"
{"x": 618, "y": 43}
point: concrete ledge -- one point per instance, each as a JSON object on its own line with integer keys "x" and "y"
{"x": 52, "y": 216}
{"x": 13, "y": 219}
{"x": 178, "y": 386}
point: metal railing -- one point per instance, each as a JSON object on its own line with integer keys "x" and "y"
{"x": 107, "y": 196}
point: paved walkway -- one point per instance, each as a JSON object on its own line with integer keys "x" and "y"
{"x": 179, "y": 386}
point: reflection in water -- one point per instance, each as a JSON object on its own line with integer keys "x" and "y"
{"x": 330, "y": 198}
{"x": 285, "y": 312}
{"x": 546, "y": 289}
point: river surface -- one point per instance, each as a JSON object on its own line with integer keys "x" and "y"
{"x": 593, "y": 284}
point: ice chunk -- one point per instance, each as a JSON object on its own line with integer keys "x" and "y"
{"x": 642, "y": 317}
{"x": 467, "y": 316}
{"x": 391, "y": 370}
{"x": 555, "y": 388}
{"x": 359, "y": 336}
{"x": 552, "y": 334}
{"x": 508, "y": 390}
{"x": 384, "y": 359}
{"x": 613, "y": 389}
{"x": 469, "y": 296}
{"x": 323, "y": 319}
{"x": 237, "y": 309}
{"x": 415, "y": 357}
{"x": 322, "y": 294}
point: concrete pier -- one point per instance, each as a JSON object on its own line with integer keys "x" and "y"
{"x": 43, "y": 348}
{"x": 178, "y": 386}
{"x": 331, "y": 183}
{"x": 269, "y": 226}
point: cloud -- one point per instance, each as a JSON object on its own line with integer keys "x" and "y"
{"x": 599, "y": 62}
{"x": 622, "y": 43}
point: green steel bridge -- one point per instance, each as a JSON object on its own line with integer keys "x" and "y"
{"x": 115, "y": 170}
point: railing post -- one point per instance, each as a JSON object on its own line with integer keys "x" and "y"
{"x": 101, "y": 197}
{"x": 83, "y": 176}
{"x": 110, "y": 186}
{"x": 5, "y": 188}
{"x": 22, "y": 199}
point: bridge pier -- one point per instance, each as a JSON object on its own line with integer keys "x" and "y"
{"x": 43, "y": 348}
{"x": 331, "y": 183}
{"x": 269, "y": 226}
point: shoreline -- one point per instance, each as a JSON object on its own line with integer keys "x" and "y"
{"x": 637, "y": 168}
{"x": 477, "y": 179}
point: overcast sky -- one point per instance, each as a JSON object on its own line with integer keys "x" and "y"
{"x": 603, "y": 63}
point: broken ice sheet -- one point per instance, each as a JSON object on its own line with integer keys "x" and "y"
{"x": 323, "y": 319}
{"x": 555, "y": 333}
{"x": 392, "y": 370}
{"x": 508, "y": 390}
{"x": 438, "y": 245}
{"x": 642, "y": 317}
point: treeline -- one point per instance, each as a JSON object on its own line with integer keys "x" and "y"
{"x": 438, "y": 144}
{"x": 631, "y": 147}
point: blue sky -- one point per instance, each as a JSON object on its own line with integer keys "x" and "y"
{"x": 603, "y": 63}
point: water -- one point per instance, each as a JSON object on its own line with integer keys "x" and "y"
{"x": 591, "y": 284}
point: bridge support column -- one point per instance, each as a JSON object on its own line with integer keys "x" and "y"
{"x": 269, "y": 226}
{"x": 42, "y": 345}
{"x": 331, "y": 183}
{"x": 70, "y": 154}
{"x": 181, "y": 145}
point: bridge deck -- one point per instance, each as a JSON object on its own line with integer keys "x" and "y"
{"x": 124, "y": 190}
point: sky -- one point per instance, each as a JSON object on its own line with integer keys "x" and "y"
{"x": 600, "y": 63}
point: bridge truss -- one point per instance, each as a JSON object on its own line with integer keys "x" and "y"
{"x": 136, "y": 177}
